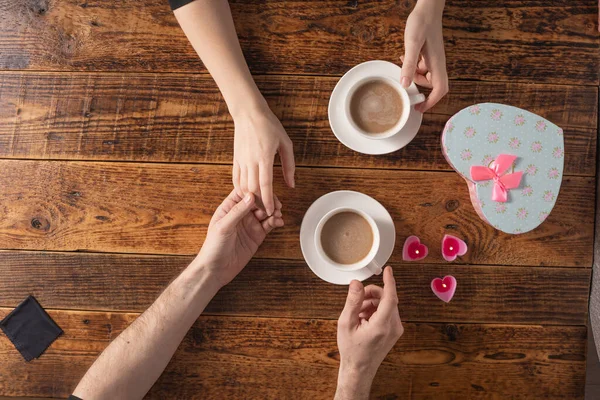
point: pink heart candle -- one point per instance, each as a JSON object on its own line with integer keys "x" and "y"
{"x": 413, "y": 249}
{"x": 453, "y": 247}
{"x": 444, "y": 288}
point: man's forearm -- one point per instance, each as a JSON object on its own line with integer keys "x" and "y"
{"x": 131, "y": 364}
{"x": 353, "y": 384}
{"x": 209, "y": 27}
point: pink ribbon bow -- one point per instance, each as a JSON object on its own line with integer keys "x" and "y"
{"x": 502, "y": 183}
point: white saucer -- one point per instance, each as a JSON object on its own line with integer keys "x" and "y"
{"x": 345, "y": 198}
{"x": 343, "y": 129}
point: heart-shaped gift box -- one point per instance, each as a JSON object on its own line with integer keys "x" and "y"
{"x": 512, "y": 160}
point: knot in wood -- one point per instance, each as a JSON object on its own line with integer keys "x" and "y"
{"x": 40, "y": 7}
{"x": 40, "y": 223}
{"x": 452, "y": 332}
{"x": 452, "y": 205}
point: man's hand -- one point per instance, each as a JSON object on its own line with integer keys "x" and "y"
{"x": 258, "y": 137}
{"x": 424, "y": 60}
{"x": 235, "y": 231}
{"x": 368, "y": 328}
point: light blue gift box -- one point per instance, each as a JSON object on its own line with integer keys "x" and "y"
{"x": 477, "y": 134}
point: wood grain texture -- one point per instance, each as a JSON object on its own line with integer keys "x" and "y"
{"x": 182, "y": 118}
{"x": 165, "y": 209}
{"x": 494, "y": 40}
{"x": 285, "y": 288}
{"x": 259, "y": 358}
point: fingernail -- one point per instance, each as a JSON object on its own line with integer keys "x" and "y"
{"x": 248, "y": 198}
{"x": 405, "y": 81}
{"x": 293, "y": 183}
{"x": 355, "y": 286}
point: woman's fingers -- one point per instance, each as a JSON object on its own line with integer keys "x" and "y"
{"x": 439, "y": 89}
{"x": 423, "y": 81}
{"x": 286, "y": 155}
{"x": 243, "y": 179}
{"x": 421, "y": 66}
{"x": 436, "y": 59}
{"x": 235, "y": 175}
{"x": 266, "y": 185}
{"x": 253, "y": 183}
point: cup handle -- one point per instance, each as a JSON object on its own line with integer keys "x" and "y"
{"x": 374, "y": 267}
{"x": 416, "y": 98}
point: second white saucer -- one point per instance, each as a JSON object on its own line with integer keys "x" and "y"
{"x": 343, "y": 129}
{"x": 345, "y": 198}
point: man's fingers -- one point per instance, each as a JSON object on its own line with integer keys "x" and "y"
{"x": 369, "y": 303}
{"x": 271, "y": 223}
{"x": 373, "y": 291}
{"x": 349, "y": 317}
{"x": 266, "y": 186}
{"x": 237, "y": 213}
{"x": 286, "y": 155}
{"x": 261, "y": 214}
{"x": 389, "y": 284}
{"x": 389, "y": 300}
{"x": 230, "y": 201}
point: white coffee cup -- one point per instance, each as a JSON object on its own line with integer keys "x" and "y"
{"x": 368, "y": 261}
{"x": 408, "y": 100}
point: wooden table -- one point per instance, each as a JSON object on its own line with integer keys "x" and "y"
{"x": 116, "y": 146}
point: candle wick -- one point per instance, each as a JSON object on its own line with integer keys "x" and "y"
{"x": 451, "y": 248}
{"x": 417, "y": 251}
{"x": 443, "y": 284}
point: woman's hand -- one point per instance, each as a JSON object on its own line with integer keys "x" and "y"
{"x": 258, "y": 137}
{"x": 424, "y": 60}
{"x": 258, "y": 133}
{"x": 235, "y": 232}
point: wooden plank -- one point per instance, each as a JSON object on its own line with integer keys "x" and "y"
{"x": 171, "y": 117}
{"x": 28, "y": 398}
{"x": 497, "y": 40}
{"x": 258, "y": 358}
{"x": 165, "y": 209}
{"x": 285, "y": 288}
{"x": 594, "y": 323}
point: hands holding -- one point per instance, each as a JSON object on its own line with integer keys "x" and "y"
{"x": 236, "y": 230}
{"x": 368, "y": 328}
{"x": 424, "y": 60}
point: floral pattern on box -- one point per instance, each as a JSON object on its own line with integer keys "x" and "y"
{"x": 478, "y": 134}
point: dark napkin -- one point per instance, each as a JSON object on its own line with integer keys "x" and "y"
{"x": 30, "y": 328}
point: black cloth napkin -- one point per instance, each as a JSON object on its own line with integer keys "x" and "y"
{"x": 30, "y": 328}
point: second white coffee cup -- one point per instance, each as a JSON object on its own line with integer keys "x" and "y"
{"x": 368, "y": 261}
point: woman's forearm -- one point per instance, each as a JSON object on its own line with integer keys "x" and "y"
{"x": 209, "y": 27}
{"x": 131, "y": 364}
